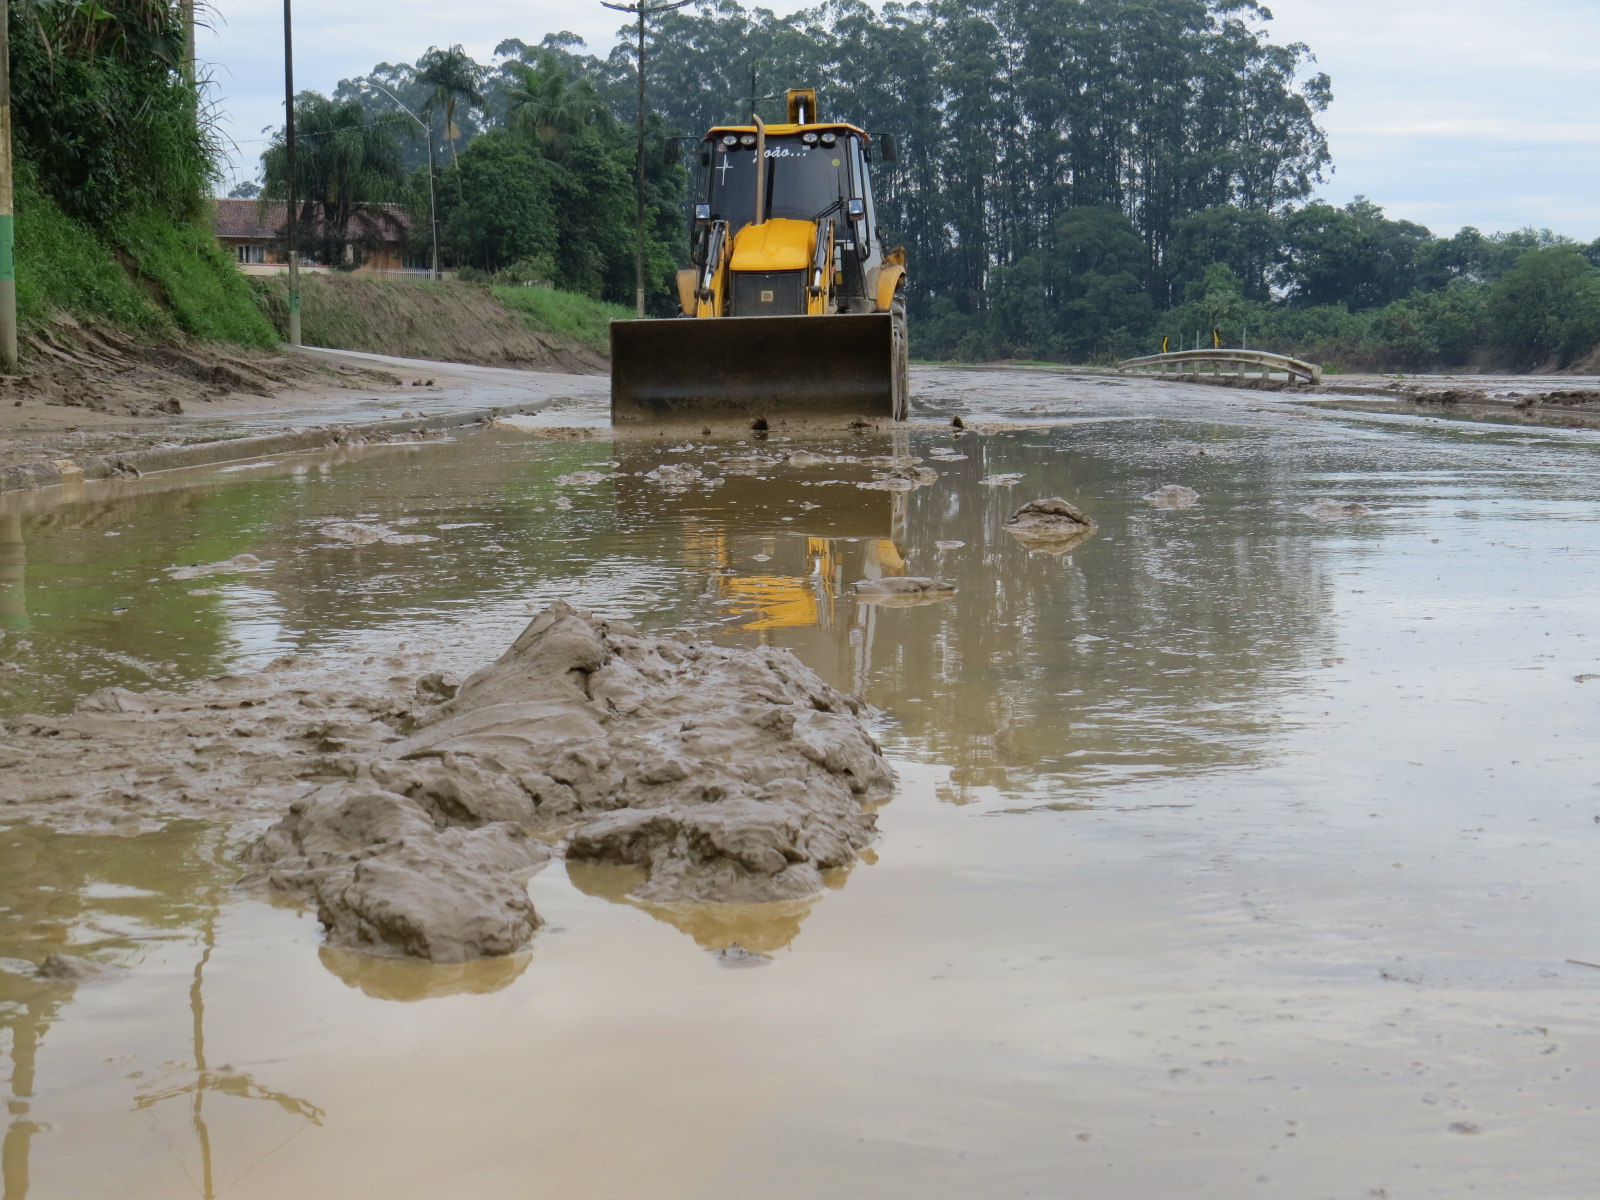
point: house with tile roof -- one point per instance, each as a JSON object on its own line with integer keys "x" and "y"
{"x": 252, "y": 235}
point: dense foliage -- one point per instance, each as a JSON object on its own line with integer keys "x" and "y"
{"x": 115, "y": 159}
{"x": 1077, "y": 180}
{"x": 533, "y": 173}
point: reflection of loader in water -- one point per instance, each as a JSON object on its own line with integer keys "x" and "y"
{"x": 761, "y": 582}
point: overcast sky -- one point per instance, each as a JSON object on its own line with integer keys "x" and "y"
{"x": 1446, "y": 112}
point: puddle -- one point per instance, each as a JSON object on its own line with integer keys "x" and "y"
{"x": 1293, "y": 824}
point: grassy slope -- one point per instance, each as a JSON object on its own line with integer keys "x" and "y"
{"x": 565, "y": 314}
{"x": 61, "y": 266}
{"x": 148, "y": 276}
{"x": 155, "y": 278}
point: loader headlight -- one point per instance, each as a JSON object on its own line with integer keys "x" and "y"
{"x": 809, "y": 139}
{"x": 730, "y": 139}
{"x": 702, "y": 212}
{"x": 828, "y": 139}
{"x": 857, "y": 210}
{"x": 748, "y": 139}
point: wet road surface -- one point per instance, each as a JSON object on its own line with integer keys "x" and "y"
{"x": 1237, "y": 851}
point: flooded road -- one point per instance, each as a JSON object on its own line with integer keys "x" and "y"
{"x": 1237, "y": 851}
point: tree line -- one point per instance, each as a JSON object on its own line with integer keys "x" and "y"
{"x": 1077, "y": 179}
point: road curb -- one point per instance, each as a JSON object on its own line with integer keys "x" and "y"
{"x": 36, "y": 475}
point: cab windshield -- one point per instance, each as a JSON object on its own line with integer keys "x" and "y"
{"x": 803, "y": 182}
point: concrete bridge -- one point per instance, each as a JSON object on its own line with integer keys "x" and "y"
{"x": 1243, "y": 363}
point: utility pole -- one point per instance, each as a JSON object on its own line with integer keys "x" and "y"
{"x": 644, "y": 11}
{"x": 289, "y": 199}
{"x": 754, "y": 97}
{"x": 188, "y": 40}
{"x": 8, "y": 258}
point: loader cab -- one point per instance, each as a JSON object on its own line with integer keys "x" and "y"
{"x": 814, "y": 173}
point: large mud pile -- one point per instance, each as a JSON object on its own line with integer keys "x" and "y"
{"x": 417, "y": 809}
{"x": 727, "y": 775}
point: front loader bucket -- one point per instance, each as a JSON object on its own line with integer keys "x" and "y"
{"x": 732, "y": 368}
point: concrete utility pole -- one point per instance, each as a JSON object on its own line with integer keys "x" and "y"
{"x": 188, "y": 40}
{"x": 644, "y": 11}
{"x": 8, "y": 259}
{"x": 289, "y": 205}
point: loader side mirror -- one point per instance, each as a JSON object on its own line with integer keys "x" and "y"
{"x": 857, "y": 210}
{"x": 887, "y": 150}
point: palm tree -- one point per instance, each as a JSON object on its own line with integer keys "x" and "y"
{"x": 544, "y": 103}
{"x": 454, "y": 77}
{"x": 347, "y": 168}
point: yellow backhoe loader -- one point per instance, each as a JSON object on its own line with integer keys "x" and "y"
{"x": 793, "y": 308}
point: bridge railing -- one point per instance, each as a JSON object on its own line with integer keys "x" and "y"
{"x": 1243, "y": 363}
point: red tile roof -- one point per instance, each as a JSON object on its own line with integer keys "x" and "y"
{"x": 247, "y": 219}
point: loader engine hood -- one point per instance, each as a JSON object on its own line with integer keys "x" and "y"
{"x": 780, "y": 244}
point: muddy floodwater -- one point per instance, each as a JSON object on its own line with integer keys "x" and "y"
{"x": 1249, "y": 847}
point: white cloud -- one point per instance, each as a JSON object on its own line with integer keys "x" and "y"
{"x": 1461, "y": 112}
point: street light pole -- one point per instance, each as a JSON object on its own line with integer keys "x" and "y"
{"x": 433, "y": 211}
{"x": 643, "y": 10}
{"x": 289, "y": 199}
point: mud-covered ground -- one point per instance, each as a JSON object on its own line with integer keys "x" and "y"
{"x": 1244, "y": 843}
{"x": 203, "y": 397}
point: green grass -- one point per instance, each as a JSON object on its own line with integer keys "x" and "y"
{"x": 201, "y": 286}
{"x": 64, "y": 267}
{"x": 565, "y": 314}
{"x": 149, "y": 275}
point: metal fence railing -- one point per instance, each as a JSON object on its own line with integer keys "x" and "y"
{"x": 1243, "y": 363}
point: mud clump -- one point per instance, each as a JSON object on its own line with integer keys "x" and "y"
{"x": 1172, "y": 495}
{"x": 70, "y": 968}
{"x": 674, "y": 475}
{"x": 728, "y": 775}
{"x": 228, "y": 566}
{"x": 901, "y": 591}
{"x": 1334, "y": 510}
{"x": 901, "y": 477}
{"x": 358, "y": 533}
{"x": 1051, "y": 525}
{"x": 386, "y": 880}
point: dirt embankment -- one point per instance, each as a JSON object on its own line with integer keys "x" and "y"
{"x": 106, "y": 370}
{"x": 445, "y": 322}
{"x": 415, "y": 808}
